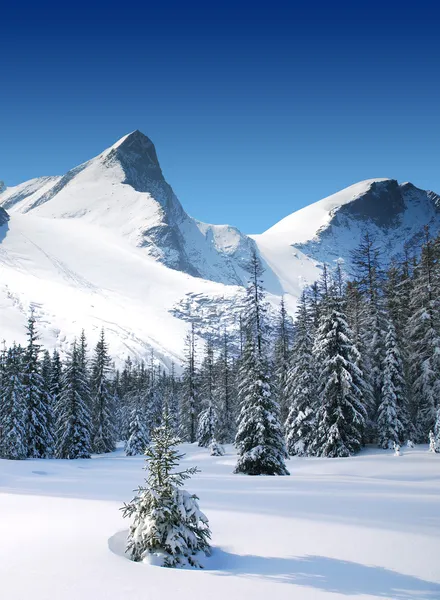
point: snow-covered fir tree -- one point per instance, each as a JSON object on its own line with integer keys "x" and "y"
{"x": 55, "y": 377}
{"x": 167, "y": 527}
{"x": 155, "y": 394}
{"x": 282, "y": 360}
{"x": 259, "y": 440}
{"x": 341, "y": 413}
{"x": 390, "y": 429}
{"x": 39, "y": 440}
{"x": 226, "y": 394}
{"x": 369, "y": 277}
{"x": 138, "y": 434}
{"x": 189, "y": 407}
{"x": 48, "y": 400}
{"x": 72, "y": 410}
{"x": 171, "y": 402}
{"x": 301, "y": 386}
{"x": 424, "y": 335}
{"x": 207, "y": 426}
{"x": 208, "y": 420}
{"x": 13, "y": 408}
{"x": 216, "y": 449}
{"x": 104, "y": 431}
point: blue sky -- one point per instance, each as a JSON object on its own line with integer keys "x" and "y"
{"x": 255, "y": 112}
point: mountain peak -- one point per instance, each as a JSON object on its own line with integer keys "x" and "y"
{"x": 135, "y": 138}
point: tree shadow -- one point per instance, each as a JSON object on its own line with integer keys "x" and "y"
{"x": 319, "y": 572}
{"x": 326, "y": 574}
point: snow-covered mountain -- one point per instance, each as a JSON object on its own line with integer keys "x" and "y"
{"x": 110, "y": 244}
{"x": 123, "y": 190}
{"x": 393, "y": 213}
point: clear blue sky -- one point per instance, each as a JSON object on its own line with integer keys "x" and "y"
{"x": 255, "y": 112}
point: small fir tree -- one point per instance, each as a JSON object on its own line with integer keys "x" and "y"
{"x": 168, "y": 527}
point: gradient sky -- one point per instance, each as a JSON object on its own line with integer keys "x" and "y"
{"x": 255, "y": 112}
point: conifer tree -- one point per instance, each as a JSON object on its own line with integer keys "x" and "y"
{"x": 138, "y": 438}
{"x": 369, "y": 277}
{"x": 55, "y": 377}
{"x": 72, "y": 411}
{"x": 168, "y": 527}
{"x": 226, "y": 394}
{"x": 424, "y": 336}
{"x": 13, "y": 443}
{"x": 104, "y": 431}
{"x": 259, "y": 440}
{"x": 282, "y": 360}
{"x": 47, "y": 400}
{"x": 390, "y": 429}
{"x": 301, "y": 386}
{"x": 207, "y": 423}
{"x": 171, "y": 401}
{"x": 189, "y": 409}
{"x": 207, "y": 426}
{"x": 341, "y": 414}
{"x": 37, "y": 402}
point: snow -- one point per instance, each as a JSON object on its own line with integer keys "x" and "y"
{"x": 302, "y": 225}
{"x": 364, "y": 527}
{"x": 81, "y": 276}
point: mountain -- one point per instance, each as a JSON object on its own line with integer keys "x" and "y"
{"x": 109, "y": 244}
{"x": 394, "y": 214}
{"x": 123, "y": 190}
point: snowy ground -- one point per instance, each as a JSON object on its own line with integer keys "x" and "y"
{"x": 364, "y": 527}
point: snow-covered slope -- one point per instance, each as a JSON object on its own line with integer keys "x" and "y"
{"x": 361, "y": 528}
{"x": 109, "y": 244}
{"x": 84, "y": 276}
{"x": 393, "y": 213}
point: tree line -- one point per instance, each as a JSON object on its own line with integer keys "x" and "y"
{"x": 360, "y": 364}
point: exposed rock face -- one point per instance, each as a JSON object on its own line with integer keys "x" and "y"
{"x": 393, "y": 213}
{"x": 4, "y": 217}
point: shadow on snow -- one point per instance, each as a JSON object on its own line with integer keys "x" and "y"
{"x": 319, "y": 572}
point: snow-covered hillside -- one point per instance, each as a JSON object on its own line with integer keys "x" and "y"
{"x": 393, "y": 213}
{"x": 83, "y": 276}
{"x": 366, "y": 527}
{"x": 109, "y": 244}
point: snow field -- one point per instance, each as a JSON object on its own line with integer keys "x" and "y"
{"x": 363, "y": 527}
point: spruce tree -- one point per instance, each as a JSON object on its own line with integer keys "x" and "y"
{"x": 48, "y": 401}
{"x": 369, "y": 277}
{"x": 13, "y": 444}
{"x": 341, "y": 414}
{"x": 301, "y": 386}
{"x": 138, "y": 438}
{"x": 226, "y": 394}
{"x": 424, "y": 335}
{"x": 168, "y": 527}
{"x": 259, "y": 440}
{"x": 208, "y": 420}
{"x": 189, "y": 409}
{"x": 282, "y": 360}
{"x": 37, "y": 402}
{"x": 72, "y": 410}
{"x": 104, "y": 430}
{"x": 390, "y": 429}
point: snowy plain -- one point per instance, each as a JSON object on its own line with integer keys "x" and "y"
{"x": 362, "y": 527}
